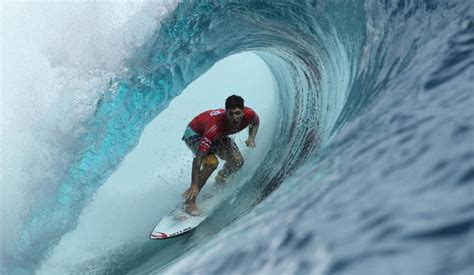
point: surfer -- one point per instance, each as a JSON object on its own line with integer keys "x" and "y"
{"x": 207, "y": 135}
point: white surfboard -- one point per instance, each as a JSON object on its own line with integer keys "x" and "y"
{"x": 178, "y": 222}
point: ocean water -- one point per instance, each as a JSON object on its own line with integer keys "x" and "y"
{"x": 364, "y": 163}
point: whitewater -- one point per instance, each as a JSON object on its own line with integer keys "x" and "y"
{"x": 365, "y": 155}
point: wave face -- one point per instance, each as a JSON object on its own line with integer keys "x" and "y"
{"x": 371, "y": 166}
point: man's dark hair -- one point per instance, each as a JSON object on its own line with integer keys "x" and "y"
{"x": 234, "y": 101}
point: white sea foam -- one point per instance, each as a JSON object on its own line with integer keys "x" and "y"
{"x": 56, "y": 56}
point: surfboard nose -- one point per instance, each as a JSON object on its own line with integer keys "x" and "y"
{"x": 158, "y": 235}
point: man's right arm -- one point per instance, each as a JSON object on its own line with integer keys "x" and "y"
{"x": 197, "y": 162}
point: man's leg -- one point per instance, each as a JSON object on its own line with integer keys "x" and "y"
{"x": 229, "y": 152}
{"x": 209, "y": 165}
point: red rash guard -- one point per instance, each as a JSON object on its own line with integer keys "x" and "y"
{"x": 211, "y": 125}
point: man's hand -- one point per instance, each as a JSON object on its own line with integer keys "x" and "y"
{"x": 250, "y": 143}
{"x": 191, "y": 193}
{"x": 253, "y": 129}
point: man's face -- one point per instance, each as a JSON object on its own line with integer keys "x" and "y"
{"x": 234, "y": 116}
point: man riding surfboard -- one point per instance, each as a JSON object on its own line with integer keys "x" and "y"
{"x": 207, "y": 135}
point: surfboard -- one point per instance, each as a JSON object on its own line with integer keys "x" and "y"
{"x": 178, "y": 222}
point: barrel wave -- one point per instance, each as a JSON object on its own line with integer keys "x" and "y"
{"x": 370, "y": 167}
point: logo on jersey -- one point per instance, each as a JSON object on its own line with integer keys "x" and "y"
{"x": 206, "y": 143}
{"x": 216, "y": 112}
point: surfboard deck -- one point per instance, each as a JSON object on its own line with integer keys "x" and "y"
{"x": 178, "y": 222}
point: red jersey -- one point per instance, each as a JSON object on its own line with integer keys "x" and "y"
{"x": 211, "y": 125}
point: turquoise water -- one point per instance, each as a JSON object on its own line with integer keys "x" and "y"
{"x": 370, "y": 169}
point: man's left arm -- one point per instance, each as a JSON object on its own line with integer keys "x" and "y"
{"x": 253, "y": 129}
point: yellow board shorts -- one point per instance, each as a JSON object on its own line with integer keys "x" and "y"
{"x": 192, "y": 140}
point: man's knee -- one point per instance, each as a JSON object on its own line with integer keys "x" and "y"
{"x": 210, "y": 161}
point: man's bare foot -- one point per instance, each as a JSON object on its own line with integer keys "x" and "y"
{"x": 192, "y": 209}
